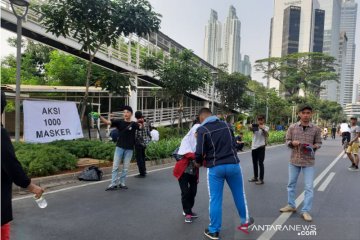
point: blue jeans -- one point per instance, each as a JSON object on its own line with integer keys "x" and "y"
{"x": 308, "y": 173}
{"x": 126, "y": 155}
{"x": 216, "y": 177}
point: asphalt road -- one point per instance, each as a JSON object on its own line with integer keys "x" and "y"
{"x": 151, "y": 207}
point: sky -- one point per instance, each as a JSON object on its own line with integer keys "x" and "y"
{"x": 185, "y": 20}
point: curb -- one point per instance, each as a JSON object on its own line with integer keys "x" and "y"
{"x": 69, "y": 178}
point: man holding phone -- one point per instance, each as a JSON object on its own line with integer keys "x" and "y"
{"x": 261, "y": 133}
{"x": 304, "y": 138}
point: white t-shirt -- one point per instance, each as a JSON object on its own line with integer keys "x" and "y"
{"x": 259, "y": 138}
{"x": 344, "y": 127}
{"x": 154, "y": 135}
{"x": 188, "y": 143}
{"x": 325, "y": 130}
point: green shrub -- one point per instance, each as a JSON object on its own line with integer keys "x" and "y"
{"x": 162, "y": 148}
{"x": 42, "y": 159}
{"x": 274, "y": 137}
{"x": 167, "y": 132}
{"x": 102, "y": 150}
{"x": 79, "y": 148}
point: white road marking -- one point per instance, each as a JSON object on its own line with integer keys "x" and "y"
{"x": 326, "y": 182}
{"x": 267, "y": 235}
{"x": 86, "y": 184}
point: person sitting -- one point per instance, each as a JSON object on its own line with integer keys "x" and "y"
{"x": 239, "y": 142}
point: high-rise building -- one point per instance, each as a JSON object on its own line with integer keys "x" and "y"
{"x": 231, "y": 41}
{"x": 212, "y": 45}
{"x": 291, "y": 30}
{"x": 297, "y": 26}
{"x": 246, "y": 66}
{"x": 348, "y": 25}
{"x": 331, "y": 44}
{"x": 344, "y": 93}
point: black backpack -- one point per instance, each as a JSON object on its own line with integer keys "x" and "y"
{"x": 91, "y": 173}
{"x": 175, "y": 154}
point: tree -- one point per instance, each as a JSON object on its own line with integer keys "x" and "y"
{"x": 279, "y": 110}
{"x": 179, "y": 75}
{"x": 8, "y": 72}
{"x": 34, "y": 57}
{"x": 232, "y": 89}
{"x": 65, "y": 69}
{"x": 331, "y": 111}
{"x": 95, "y": 23}
{"x": 297, "y": 71}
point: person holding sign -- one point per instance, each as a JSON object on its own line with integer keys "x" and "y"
{"x": 124, "y": 146}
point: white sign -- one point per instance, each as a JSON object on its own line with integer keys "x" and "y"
{"x": 47, "y": 121}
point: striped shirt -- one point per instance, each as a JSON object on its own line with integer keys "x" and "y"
{"x": 309, "y": 135}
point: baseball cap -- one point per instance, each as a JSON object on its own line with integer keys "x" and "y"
{"x": 303, "y": 107}
{"x": 127, "y": 108}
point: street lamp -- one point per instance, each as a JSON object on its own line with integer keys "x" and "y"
{"x": 214, "y": 74}
{"x": 25, "y": 5}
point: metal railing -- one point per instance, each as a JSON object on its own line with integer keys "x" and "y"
{"x": 166, "y": 116}
{"x": 129, "y": 49}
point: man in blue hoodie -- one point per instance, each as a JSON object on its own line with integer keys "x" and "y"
{"x": 216, "y": 150}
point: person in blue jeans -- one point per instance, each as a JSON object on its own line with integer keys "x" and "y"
{"x": 124, "y": 146}
{"x": 304, "y": 138}
{"x": 216, "y": 150}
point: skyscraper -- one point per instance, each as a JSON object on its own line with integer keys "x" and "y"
{"x": 231, "y": 41}
{"x": 348, "y": 25}
{"x": 246, "y": 66}
{"x": 297, "y": 26}
{"x": 331, "y": 44}
{"x": 344, "y": 93}
{"x": 212, "y": 45}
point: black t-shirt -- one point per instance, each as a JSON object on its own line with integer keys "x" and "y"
{"x": 11, "y": 171}
{"x": 127, "y": 132}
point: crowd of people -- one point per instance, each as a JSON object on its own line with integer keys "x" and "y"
{"x": 210, "y": 143}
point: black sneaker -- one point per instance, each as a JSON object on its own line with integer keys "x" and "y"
{"x": 260, "y": 182}
{"x": 253, "y": 179}
{"x": 111, "y": 188}
{"x": 140, "y": 176}
{"x": 209, "y": 235}
{"x": 122, "y": 186}
{"x": 351, "y": 168}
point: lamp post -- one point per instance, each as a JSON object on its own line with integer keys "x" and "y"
{"x": 214, "y": 75}
{"x": 25, "y": 5}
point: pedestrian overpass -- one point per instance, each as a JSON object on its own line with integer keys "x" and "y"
{"x": 125, "y": 57}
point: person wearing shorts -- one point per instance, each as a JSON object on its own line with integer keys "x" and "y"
{"x": 353, "y": 149}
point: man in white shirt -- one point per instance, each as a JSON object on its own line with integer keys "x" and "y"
{"x": 345, "y": 132}
{"x": 154, "y": 135}
{"x": 261, "y": 133}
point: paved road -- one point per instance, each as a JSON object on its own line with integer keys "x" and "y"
{"x": 151, "y": 208}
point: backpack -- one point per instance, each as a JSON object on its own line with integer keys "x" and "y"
{"x": 175, "y": 154}
{"x": 91, "y": 173}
